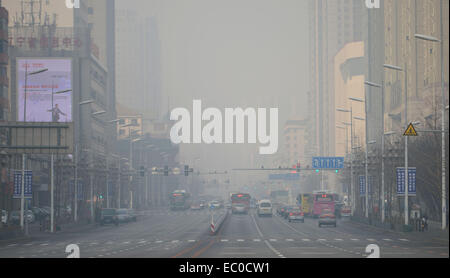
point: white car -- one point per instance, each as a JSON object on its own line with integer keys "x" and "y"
{"x": 4, "y": 217}
{"x": 265, "y": 208}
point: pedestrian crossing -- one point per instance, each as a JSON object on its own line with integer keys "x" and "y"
{"x": 94, "y": 244}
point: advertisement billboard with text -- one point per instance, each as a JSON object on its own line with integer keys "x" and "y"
{"x": 48, "y": 95}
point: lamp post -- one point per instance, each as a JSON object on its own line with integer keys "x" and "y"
{"x": 396, "y": 68}
{"x": 441, "y": 41}
{"x": 351, "y": 153}
{"x": 22, "y": 197}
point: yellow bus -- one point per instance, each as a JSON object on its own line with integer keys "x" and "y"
{"x": 305, "y": 201}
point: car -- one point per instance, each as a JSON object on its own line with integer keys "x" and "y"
{"x": 346, "y": 211}
{"x": 196, "y": 206}
{"x": 214, "y": 205}
{"x": 287, "y": 211}
{"x": 296, "y": 215}
{"x": 281, "y": 209}
{"x": 132, "y": 215}
{"x": 327, "y": 218}
{"x": 4, "y": 220}
{"x": 108, "y": 216}
{"x": 39, "y": 213}
{"x": 15, "y": 217}
{"x": 202, "y": 204}
{"x": 264, "y": 208}
{"x": 123, "y": 216}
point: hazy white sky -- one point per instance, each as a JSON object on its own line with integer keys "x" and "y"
{"x": 233, "y": 53}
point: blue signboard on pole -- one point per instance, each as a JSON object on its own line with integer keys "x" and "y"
{"x": 28, "y": 193}
{"x": 362, "y": 185}
{"x": 411, "y": 180}
{"x": 328, "y": 162}
{"x": 79, "y": 189}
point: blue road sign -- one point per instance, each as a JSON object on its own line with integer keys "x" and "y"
{"x": 285, "y": 177}
{"x": 362, "y": 185}
{"x": 328, "y": 163}
{"x": 79, "y": 189}
{"x": 411, "y": 180}
{"x": 28, "y": 193}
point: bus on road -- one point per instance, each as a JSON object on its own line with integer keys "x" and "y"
{"x": 180, "y": 200}
{"x": 305, "y": 202}
{"x": 240, "y": 203}
{"x": 323, "y": 200}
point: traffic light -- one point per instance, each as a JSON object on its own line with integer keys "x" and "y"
{"x": 142, "y": 171}
{"x": 186, "y": 170}
{"x": 298, "y": 167}
{"x": 317, "y": 171}
{"x": 166, "y": 171}
{"x": 337, "y": 171}
{"x": 100, "y": 196}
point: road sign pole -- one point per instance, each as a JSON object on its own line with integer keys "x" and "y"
{"x": 75, "y": 205}
{"x": 406, "y": 149}
{"x": 52, "y": 201}
{"x": 382, "y": 152}
{"x": 22, "y": 194}
{"x": 444, "y": 195}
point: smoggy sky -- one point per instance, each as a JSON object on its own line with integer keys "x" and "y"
{"x": 248, "y": 53}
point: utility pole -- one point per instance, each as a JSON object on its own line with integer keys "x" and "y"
{"x": 406, "y": 149}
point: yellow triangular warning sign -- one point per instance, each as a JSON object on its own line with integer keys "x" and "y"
{"x": 410, "y": 131}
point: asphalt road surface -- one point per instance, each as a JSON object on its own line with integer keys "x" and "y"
{"x": 185, "y": 234}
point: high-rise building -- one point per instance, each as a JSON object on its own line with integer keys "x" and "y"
{"x": 332, "y": 24}
{"x": 138, "y": 57}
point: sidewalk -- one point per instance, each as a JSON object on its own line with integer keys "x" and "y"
{"x": 434, "y": 229}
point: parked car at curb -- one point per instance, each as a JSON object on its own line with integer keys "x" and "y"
{"x": 108, "y": 216}
{"x": 132, "y": 215}
{"x": 123, "y": 216}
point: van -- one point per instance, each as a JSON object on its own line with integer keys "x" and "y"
{"x": 265, "y": 208}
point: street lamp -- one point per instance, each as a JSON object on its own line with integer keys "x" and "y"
{"x": 352, "y": 196}
{"x": 99, "y": 113}
{"x": 441, "y": 42}
{"x": 22, "y": 197}
{"x": 366, "y": 152}
{"x": 396, "y": 68}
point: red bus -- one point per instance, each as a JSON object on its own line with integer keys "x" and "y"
{"x": 323, "y": 200}
{"x": 240, "y": 203}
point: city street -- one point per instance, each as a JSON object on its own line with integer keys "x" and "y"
{"x": 185, "y": 234}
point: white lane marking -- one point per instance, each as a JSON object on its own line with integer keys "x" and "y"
{"x": 272, "y": 240}
{"x": 94, "y": 243}
{"x": 224, "y": 240}
{"x": 44, "y": 244}
{"x": 257, "y": 240}
{"x": 158, "y": 241}
{"x": 126, "y": 242}
{"x": 240, "y": 240}
{"x": 175, "y": 241}
{"x": 191, "y": 240}
{"x": 289, "y": 239}
{"x": 261, "y": 235}
{"x": 140, "y": 242}
{"x": 12, "y": 245}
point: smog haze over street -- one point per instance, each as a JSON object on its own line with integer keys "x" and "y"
{"x": 224, "y": 129}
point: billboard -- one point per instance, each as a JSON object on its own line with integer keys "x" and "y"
{"x": 48, "y": 95}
